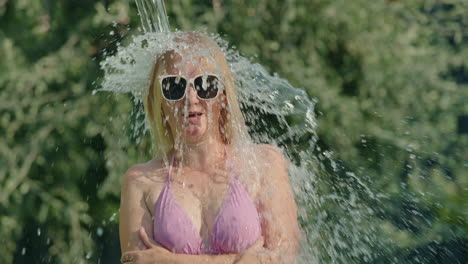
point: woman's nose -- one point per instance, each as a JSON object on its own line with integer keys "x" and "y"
{"x": 192, "y": 97}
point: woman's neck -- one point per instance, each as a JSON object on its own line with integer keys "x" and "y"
{"x": 201, "y": 155}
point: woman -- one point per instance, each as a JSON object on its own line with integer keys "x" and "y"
{"x": 209, "y": 196}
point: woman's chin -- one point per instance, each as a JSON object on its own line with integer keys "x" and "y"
{"x": 193, "y": 133}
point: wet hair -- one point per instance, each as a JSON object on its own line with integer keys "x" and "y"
{"x": 231, "y": 123}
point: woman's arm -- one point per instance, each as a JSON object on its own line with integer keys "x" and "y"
{"x": 278, "y": 211}
{"x": 133, "y": 211}
{"x": 156, "y": 254}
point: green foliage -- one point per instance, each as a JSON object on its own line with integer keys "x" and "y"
{"x": 52, "y": 148}
{"x": 390, "y": 76}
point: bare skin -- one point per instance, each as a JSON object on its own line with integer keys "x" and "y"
{"x": 200, "y": 184}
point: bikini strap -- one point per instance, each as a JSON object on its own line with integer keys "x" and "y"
{"x": 170, "y": 168}
{"x": 229, "y": 166}
{"x": 227, "y": 162}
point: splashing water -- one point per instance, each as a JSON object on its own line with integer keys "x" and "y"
{"x": 332, "y": 209}
{"x": 153, "y": 15}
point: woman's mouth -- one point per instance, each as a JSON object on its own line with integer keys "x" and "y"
{"x": 193, "y": 116}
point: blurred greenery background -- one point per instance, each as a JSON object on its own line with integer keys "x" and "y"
{"x": 391, "y": 78}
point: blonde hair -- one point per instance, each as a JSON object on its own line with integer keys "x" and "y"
{"x": 231, "y": 125}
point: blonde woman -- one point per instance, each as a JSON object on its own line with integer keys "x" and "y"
{"x": 209, "y": 195}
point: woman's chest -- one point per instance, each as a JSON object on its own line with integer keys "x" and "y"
{"x": 197, "y": 196}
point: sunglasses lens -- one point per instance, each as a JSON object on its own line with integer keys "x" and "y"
{"x": 173, "y": 87}
{"x": 207, "y": 86}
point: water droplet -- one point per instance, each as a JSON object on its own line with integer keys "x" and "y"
{"x": 112, "y": 218}
{"x": 38, "y": 231}
{"x": 99, "y": 231}
{"x": 23, "y": 251}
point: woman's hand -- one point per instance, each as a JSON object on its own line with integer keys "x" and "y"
{"x": 154, "y": 253}
{"x": 257, "y": 246}
{"x": 252, "y": 253}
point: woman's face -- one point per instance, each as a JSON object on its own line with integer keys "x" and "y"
{"x": 191, "y": 119}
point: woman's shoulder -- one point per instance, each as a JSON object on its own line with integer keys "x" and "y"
{"x": 272, "y": 155}
{"x": 154, "y": 171}
{"x": 274, "y": 162}
{"x": 271, "y": 168}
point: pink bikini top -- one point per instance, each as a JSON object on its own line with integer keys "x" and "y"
{"x": 236, "y": 227}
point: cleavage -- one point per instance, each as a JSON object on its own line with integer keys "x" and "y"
{"x": 211, "y": 206}
{"x": 209, "y": 191}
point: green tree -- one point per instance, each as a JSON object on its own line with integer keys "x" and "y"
{"x": 52, "y": 144}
